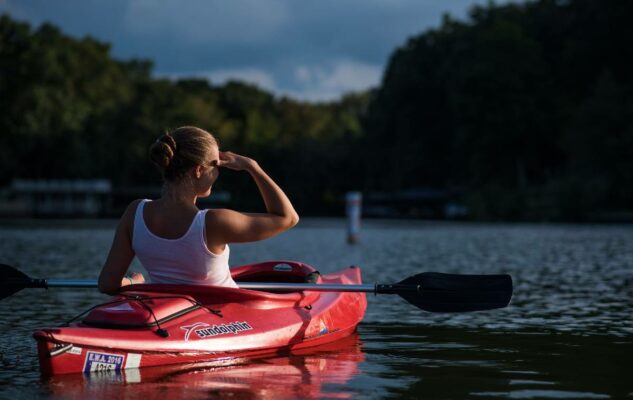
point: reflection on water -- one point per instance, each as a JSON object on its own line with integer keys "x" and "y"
{"x": 319, "y": 373}
{"x": 444, "y": 362}
{"x": 568, "y": 332}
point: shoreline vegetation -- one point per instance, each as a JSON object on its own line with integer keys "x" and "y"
{"x": 339, "y": 222}
{"x": 522, "y": 112}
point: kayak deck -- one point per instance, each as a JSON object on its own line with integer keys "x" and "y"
{"x": 158, "y": 324}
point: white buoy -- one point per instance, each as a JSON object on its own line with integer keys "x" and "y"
{"x": 353, "y": 205}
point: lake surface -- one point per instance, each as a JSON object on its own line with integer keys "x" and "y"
{"x": 568, "y": 332}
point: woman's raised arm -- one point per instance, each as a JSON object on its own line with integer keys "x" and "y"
{"x": 230, "y": 226}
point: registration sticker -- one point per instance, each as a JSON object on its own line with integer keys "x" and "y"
{"x": 100, "y": 362}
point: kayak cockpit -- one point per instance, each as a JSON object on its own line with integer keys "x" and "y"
{"x": 270, "y": 271}
{"x": 146, "y": 305}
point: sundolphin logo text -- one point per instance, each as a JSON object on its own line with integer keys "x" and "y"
{"x": 190, "y": 328}
{"x": 202, "y": 329}
{"x": 223, "y": 329}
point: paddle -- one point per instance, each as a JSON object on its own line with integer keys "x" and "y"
{"x": 429, "y": 291}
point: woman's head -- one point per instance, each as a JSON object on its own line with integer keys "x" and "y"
{"x": 179, "y": 151}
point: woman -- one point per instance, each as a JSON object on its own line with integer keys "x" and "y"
{"x": 174, "y": 240}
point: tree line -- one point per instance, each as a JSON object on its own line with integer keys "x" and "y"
{"x": 525, "y": 108}
{"x": 525, "y": 111}
{"x": 70, "y": 110}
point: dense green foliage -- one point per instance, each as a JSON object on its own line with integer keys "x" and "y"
{"x": 69, "y": 110}
{"x": 525, "y": 109}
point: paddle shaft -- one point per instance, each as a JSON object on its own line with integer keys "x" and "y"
{"x": 429, "y": 291}
{"x": 322, "y": 287}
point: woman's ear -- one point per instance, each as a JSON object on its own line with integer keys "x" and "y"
{"x": 198, "y": 171}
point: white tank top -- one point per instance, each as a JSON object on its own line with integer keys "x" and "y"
{"x": 185, "y": 260}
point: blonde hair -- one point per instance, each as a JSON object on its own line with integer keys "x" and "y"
{"x": 181, "y": 149}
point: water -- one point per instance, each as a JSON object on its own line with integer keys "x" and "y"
{"x": 568, "y": 332}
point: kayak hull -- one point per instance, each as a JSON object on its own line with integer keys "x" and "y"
{"x": 155, "y": 325}
{"x": 298, "y": 374}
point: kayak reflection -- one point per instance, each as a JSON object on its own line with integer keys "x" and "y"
{"x": 310, "y": 373}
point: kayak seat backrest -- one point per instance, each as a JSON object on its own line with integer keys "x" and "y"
{"x": 140, "y": 310}
{"x": 274, "y": 271}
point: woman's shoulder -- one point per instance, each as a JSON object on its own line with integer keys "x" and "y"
{"x": 130, "y": 210}
{"x": 220, "y": 218}
{"x": 134, "y": 205}
{"x": 216, "y": 214}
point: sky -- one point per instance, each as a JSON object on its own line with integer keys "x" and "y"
{"x": 312, "y": 50}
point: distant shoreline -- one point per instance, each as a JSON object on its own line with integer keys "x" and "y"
{"x": 313, "y": 222}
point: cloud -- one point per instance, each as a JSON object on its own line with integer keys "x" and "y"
{"x": 323, "y": 83}
{"x": 309, "y": 83}
{"x": 207, "y": 21}
{"x": 258, "y": 77}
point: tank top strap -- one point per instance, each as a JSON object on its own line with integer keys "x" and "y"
{"x": 200, "y": 225}
{"x": 138, "y": 215}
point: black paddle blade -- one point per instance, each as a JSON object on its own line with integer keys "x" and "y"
{"x": 440, "y": 292}
{"x": 11, "y": 280}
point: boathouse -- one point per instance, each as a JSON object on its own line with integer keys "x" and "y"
{"x": 61, "y": 197}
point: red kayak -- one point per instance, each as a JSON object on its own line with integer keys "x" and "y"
{"x": 156, "y": 324}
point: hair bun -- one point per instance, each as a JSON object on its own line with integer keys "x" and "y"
{"x": 163, "y": 150}
{"x": 181, "y": 149}
{"x": 169, "y": 141}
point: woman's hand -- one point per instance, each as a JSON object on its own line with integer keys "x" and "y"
{"x": 235, "y": 162}
{"x": 137, "y": 277}
{"x": 133, "y": 279}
